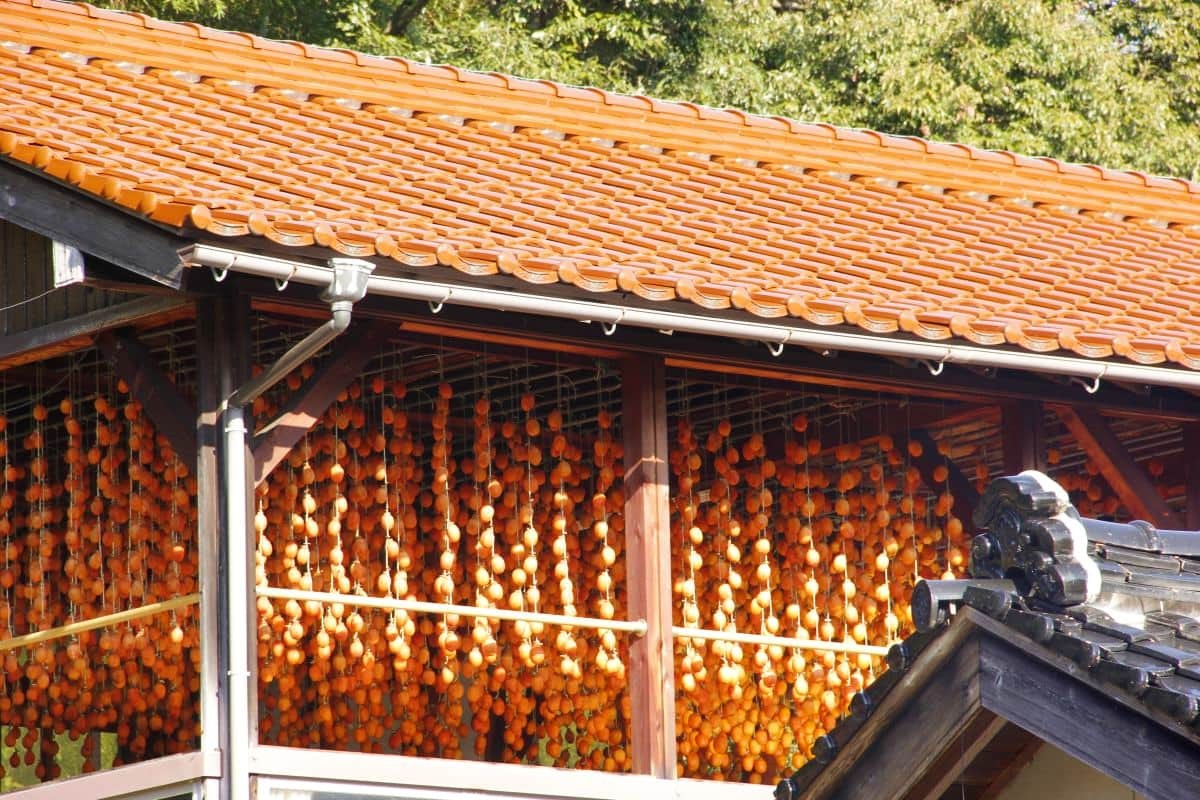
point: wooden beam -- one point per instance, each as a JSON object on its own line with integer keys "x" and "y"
{"x": 41, "y": 204}
{"x": 865, "y": 372}
{"x": 275, "y": 440}
{"x": 1127, "y": 478}
{"x": 1012, "y": 769}
{"x": 961, "y": 488}
{"x": 902, "y": 741}
{"x": 1191, "y": 474}
{"x": 1093, "y": 725}
{"x": 56, "y": 338}
{"x": 648, "y": 565}
{"x": 945, "y": 772}
{"x": 1023, "y": 436}
{"x": 173, "y": 414}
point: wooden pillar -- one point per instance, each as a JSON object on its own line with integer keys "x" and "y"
{"x": 1023, "y": 433}
{"x": 648, "y": 567}
{"x": 1191, "y": 474}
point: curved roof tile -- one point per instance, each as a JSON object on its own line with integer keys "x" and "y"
{"x": 487, "y": 174}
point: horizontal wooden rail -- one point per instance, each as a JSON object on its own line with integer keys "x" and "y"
{"x": 637, "y": 627}
{"x": 783, "y": 641}
{"x": 72, "y": 628}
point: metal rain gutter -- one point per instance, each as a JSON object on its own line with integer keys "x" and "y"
{"x": 775, "y": 335}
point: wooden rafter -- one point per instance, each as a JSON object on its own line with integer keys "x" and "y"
{"x": 1127, "y": 478}
{"x": 944, "y": 771}
{"x": 66, "y": 215}
{"x": 172, "y": 413}
{"x": 648, "y": 566}
{"x": 1011, "y": 770}
{"x": 966, "y": 497}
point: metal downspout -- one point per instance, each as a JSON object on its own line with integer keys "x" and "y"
{"x": 347, "y": 286}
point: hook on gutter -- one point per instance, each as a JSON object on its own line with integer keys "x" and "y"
{"x": 437, "y": 307}
{"x": 282, "y": 283}
{"x": 1094, "y": 386}
{"x": 219, "y": 274}
{"x": 610, "y": 328}
{"x": 935, "y": 367}
{"x": 776, "y": 348}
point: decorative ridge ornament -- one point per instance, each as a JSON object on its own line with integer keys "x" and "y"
{"x": 1033, "y": 536}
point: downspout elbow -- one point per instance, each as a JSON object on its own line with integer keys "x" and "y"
{"x": 342, "y": 311}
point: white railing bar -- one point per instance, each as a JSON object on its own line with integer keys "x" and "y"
{"x": 852, "y": 648}
{"x": 637, "y": 627}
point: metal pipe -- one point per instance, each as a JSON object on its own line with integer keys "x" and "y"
{"x": 678, "y": 631}
{"x": 637, "y": 626}
{"x": 346, "y": 280}
{"x": 775, "y": 334}
{"x": 236, "y": 602}
{"x": 297, "y": 355}
{"x": 346, "y": 283}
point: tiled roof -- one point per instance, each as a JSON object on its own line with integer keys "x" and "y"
{"x": 232, "y": 135}
{"x": 1134, "y": 635}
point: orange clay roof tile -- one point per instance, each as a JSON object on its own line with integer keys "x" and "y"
{"x": 233, "y": 135}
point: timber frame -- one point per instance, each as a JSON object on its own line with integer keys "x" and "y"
{"x": 973, "y": 650}
{"x": 975, "y": 678}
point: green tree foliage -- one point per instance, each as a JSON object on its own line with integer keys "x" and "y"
{"x": 1115, "y": 82}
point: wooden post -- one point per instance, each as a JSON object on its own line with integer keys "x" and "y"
{"x": 1023, "y": 433}
{"x": 648, "y": 568}
{"x": 211, "y": 318}
{"x": 1191, "y": 474}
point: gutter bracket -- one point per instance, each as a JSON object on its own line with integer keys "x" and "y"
{"x": 935, "y": 367}
{"x": 436, "y": 308}
{"x": 1094, "y": 386}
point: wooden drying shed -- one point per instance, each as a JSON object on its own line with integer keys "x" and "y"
{"x": 358, "y": 414}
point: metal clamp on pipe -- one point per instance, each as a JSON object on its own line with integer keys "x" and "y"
{"x": 347, "y": 286}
